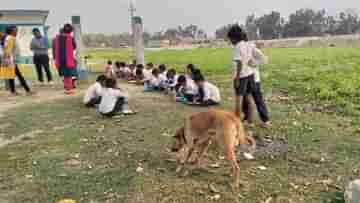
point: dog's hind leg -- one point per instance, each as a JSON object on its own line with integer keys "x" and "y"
{"x": 203, "y": 149}
{"x": 230, "y": 155}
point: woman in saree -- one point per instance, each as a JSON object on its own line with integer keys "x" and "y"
{"x": 63, "y": 49}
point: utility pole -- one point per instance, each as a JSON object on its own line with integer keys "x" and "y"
{"x": 132, "y": 14}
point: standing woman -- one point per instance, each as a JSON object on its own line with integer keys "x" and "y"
{"x": 64, "y": 47}
{"x": 9, "y": 62}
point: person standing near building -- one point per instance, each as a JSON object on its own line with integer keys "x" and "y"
{"x": 10, "y": 69}
{"x": 63, "y": 49}
{"x": 40, "y": 48}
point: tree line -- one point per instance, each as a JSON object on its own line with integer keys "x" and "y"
{"x": 301, "y": 23}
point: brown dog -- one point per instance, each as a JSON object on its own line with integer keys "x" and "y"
{"x": 229, "y": 134}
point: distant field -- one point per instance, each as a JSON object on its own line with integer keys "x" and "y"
{"x": 331, "y": 75}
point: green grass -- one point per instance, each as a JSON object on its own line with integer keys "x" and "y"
{"x": 34, "y": 169}
{"x": 330, "y": 75}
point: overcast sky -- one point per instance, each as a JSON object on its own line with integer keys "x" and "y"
{"x": 112, "y": 16}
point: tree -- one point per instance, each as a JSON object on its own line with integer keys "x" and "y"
{"x": 269, "y": 26}
{"x": 251, "y": 27}
{"x": 221, "y": 33}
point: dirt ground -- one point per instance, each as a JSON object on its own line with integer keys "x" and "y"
{"x": 46, "y": 155}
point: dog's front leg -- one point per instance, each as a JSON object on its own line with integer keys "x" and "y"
{"x": 187, "y": 157}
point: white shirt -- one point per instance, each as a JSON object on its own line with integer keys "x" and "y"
{"x": 163, "y": 78}
{"x": 211, "y": 92}
{"x": 147, "y": 74}
{"x": 171, "y": 82}
{"x": 94, "y": 91}
{"x": 109, "y": 98}
{"x": 258, "y": 59}
{"x": 155, "y": 81}
{"x": 243, "y": 52}
{"x": 191, "y": 87}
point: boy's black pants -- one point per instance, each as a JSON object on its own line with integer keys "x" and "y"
{"x": 260, "y": 104}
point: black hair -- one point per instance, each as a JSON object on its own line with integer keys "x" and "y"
{"x": 110, "y": 83}
{"x": 191, "y": 67}
{"x": 117, "y": 64}
{"x": 236, "y": 33}
{"x": 199, "y": 78}
{"x": 122, "y": 64}
{"x": 155, "y": 71}
{"x": 109, "y": 62}
{"x": 139, "y": 74}
{"x": 140, "y": 66}
{"x": 181, "y": 79}
{"x": 150, "y": 64}
{"x": 101, "y": 78}
{"x": 35, "y": 30}
{"x": 171, "y": 72}
{"x": 196, "y": 72}
{"x": 68, "y": 28}
{"x": 162, "y": 68}
{"x": 10, "y": 29}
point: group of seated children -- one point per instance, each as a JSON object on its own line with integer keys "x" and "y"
{"x": 105, "y": 95}
{"x": 191, "y": 88}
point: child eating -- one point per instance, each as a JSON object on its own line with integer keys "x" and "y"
{"x": 93, "y": 94}
{"x": 209, "y": 94}
{"x": 186, "y": 91}
{"x": 114, "y": 100}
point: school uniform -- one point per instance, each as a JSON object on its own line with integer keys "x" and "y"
{"x": 113, "y": 101}
{"x": 245, "y": 83}
{"x": 209, "y": 95}
{"x": 154, "y": 84}
{"x": 189, "y": 92}
{"x": 93, "y": 95}
{"x": 163, "y": 79}
{"x": 170, "y": 83}
{"x": 258, "y": 59}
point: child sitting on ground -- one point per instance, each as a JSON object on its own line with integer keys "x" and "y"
{"x": 93, "y": 94}
{"x": 120, "y": 70}
{"x": 155, "y": 82}
{"x": 139, "y": 74}
{"x": 171, "y": 80}
{"x": 109, "y": 70}
{"x": 131, "y": 73}
{"x": 114, "y": 100}
{"x": 148, "y": 72}
{"x": 209, "y": 94}
{"x": 186, "y": 90}
{"x": 162, "y": 71}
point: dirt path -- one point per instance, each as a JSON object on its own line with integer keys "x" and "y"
{"x": 53, "y": 93}
{"x": 47, "y": 94}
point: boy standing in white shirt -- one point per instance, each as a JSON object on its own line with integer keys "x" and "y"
{"x": 244, "y": 83}
{"x": 258, "y": 59}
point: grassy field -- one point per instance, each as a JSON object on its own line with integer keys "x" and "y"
{"x": 67, "y": 150}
